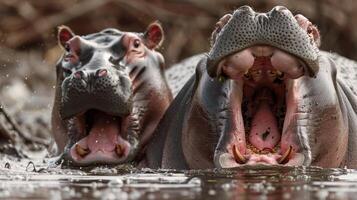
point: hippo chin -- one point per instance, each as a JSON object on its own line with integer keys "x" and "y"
{"x": 264, "y": 94}
{"x": 111, "y": 93}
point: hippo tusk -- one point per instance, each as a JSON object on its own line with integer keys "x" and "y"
{"x": 285, "y": 158}
{"x": 238, "y": 156}
{"x": 247, "y": 74}
{"x": 82, "y": 151}
{"x": 119, "y": 150}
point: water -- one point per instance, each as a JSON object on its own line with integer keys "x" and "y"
{"x": 38, "y": 181}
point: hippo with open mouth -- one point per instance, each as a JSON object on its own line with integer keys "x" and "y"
{"x": 110, "y": 95}
{"x": 264, "y": 94}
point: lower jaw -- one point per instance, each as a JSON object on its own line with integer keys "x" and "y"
{"x": 264, "y": 108}
{"x": 271, "y": 159}
{"x": 227, "y": 160}
{"x": 104, "y": 143}
{"x": 101, "y": 156}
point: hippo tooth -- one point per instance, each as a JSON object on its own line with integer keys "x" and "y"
{"x": 280, "y": 75}
{"x": 119, "y": 150}
{"x": 275, "y": 73}
{"x": 283, "y": 159}
{"x": 238, "y": 156}
{"x": 247, "y": 74}
{"x": 82, "y": 151}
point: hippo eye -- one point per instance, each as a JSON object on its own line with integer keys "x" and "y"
{"x": 136, "y": 43}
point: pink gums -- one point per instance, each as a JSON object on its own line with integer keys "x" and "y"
{"x": 102, "y": 140}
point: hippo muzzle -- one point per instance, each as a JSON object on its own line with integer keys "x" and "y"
{"x": 107, "y": 89}
{"x": 278, "y": 28}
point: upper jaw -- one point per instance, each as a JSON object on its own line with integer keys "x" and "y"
{"x": 75, "y": 108}
{"x": 279, "y": 29}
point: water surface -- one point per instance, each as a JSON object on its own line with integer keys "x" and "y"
{"x": 35, "y": 180}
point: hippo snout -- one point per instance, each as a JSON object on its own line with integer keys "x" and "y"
{"x": 108, "y": 90}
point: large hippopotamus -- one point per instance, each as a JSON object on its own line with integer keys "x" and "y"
{"x": 263, "y": 94}
{"x": 110, "y": 95}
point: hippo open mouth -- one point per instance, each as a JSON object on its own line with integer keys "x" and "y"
{"x": 265, "y": 65}
{"x": 103, "y": 137}
{"x": 263, "y": 112}
{"x": 263, "y": 94}
{"x": 264, "y": 107}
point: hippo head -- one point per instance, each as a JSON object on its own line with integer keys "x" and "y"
{"x": 278, "y": 103}
{"x": 110, "y": 94}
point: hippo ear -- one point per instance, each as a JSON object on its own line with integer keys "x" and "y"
{"x": 315, "y": 34}
{"x": 219, "y": 26}
{"x": 64, "y": 34}
{"x": 154, "y": 35}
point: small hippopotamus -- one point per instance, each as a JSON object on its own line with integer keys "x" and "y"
{"x": 110, "y": 95}
{"x": 264, "y": 94}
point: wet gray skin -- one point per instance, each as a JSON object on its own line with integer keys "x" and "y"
{"x": 310, "y": 98}
{"x": 110, "y": 95}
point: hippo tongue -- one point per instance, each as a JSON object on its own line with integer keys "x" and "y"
{"x": 264, "y": 132}
{"x": 103, "y": 135}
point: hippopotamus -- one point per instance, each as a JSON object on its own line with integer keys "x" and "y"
{"x": 264, "y": 94}
{"x": 110, "y": 95}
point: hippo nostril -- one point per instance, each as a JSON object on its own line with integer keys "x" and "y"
{"x": 102, "y": 72}
{"x": 280, "y": 8}
{"x": 246, "y": 8}
{"x": 79, "y": 74}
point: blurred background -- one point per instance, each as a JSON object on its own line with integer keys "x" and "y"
{"x": 29, "y": 51}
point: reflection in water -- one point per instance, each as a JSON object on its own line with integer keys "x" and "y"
{"x": 259, "y": 182}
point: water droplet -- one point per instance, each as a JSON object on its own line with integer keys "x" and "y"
{"x": 212, "y": 192}
{"x": 116, "y": 183}
{"x": 195, "y": 181}
{"x": 322, "y": 194}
